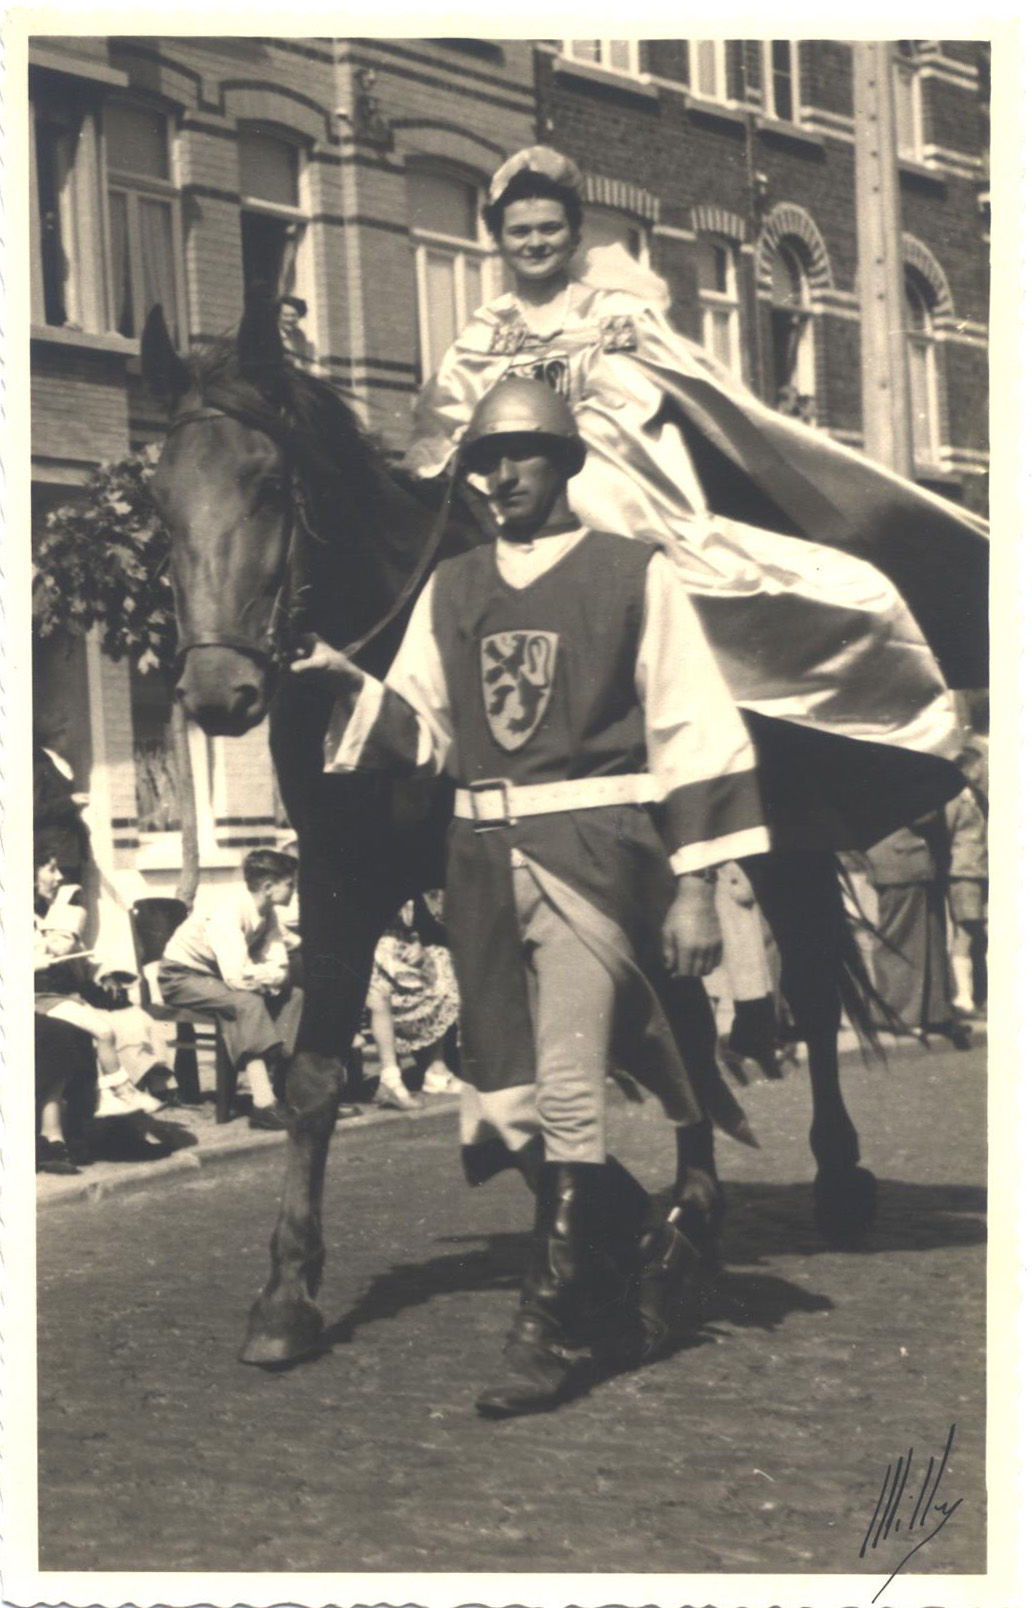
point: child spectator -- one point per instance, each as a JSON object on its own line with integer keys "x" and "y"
{"x": 231, "y": 962}
{"x": 413, "y": 1004}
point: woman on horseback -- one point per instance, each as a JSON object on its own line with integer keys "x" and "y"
{"x": 745, "y": 502}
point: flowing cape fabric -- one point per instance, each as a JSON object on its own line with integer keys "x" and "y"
{"x": 834, "y": 594}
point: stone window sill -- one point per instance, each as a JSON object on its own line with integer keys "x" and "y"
{"x": 86, "y": 340}
{"x": 775, "y": 128}
{"x": 605, "y": 77}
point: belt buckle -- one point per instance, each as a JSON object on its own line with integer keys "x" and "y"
{"x": 484, "y": 818}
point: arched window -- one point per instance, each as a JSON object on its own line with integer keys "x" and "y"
{"x": 455, "y": 271}
{"x": 921, "y": 368}
{"x": 718, "y": 299}
{"x": 605, "y": 227}
{"x": 795, "y": 378}
{"x": 272, "y": 220}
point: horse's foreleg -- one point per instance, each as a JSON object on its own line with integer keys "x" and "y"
{"x": 340, "y": 931}
{"x": 285, "y": 1323}
{"x": 801, "y": 898}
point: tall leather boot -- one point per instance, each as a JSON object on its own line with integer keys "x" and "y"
{"x": 569, "y": 1284}
{"x": 654, "y": 1261}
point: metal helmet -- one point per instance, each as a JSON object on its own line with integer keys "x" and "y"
{"x": 522, "y": 407}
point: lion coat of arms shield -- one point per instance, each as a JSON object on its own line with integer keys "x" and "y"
{"x": 517, "y": 673}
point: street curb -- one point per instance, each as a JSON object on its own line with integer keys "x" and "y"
{"x": 132, "y": 1176}
{"x": 196, "y": 1159}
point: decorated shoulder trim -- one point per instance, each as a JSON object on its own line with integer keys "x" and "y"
{"x": 618, "y": 333}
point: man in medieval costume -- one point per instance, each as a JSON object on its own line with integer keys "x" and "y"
{"x": 561, "y": 677}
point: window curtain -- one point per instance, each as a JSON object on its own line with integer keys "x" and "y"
{"x": 157, "y": 261}
{"x": 121, "y": 283}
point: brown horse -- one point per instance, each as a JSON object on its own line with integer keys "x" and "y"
{"x": 285, "y": 521}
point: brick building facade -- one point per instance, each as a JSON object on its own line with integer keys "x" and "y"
{"x": 351, "y": 173}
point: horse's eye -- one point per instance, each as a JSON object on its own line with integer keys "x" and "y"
{"x": 272, "y": 486}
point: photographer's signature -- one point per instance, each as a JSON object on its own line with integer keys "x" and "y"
{"x": 921, "y": 1518}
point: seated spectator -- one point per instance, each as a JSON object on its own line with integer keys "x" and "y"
{"x": 65, "y": 989}
{"x": 66, "y": 1093}
{"x": 413, "y": 1006}
{"x": 231, "y": 963}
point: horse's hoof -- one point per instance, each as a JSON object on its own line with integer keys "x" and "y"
{"x": 845, "y": 1205}
{"x": 699, "y": 1218}
{"x": 281, "y": 1334}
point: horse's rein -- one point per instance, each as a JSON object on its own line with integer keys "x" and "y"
{"x": 267, "y": 650}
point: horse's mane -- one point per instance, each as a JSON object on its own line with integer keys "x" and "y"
{"x": 307, "y": 415}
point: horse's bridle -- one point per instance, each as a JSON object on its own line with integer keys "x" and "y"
{"x": 271, "y": 650}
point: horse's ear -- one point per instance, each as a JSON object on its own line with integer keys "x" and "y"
{"x": 259, "y": 347}
{"x": 164, "y": 371}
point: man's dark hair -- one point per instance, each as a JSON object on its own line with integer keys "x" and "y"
{"x": 267, "y": 865}
{"x": 530, "y": 186}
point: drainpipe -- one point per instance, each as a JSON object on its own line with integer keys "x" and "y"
{"x": 758, "y": 185}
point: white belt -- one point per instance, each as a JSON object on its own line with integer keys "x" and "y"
{"x": 499, "y": 802}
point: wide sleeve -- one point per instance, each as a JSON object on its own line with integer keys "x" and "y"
{"x": 402, "y": 724}
{"x": 699, "y": 752}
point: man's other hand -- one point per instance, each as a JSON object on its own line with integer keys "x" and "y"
{"x": 318, "y": 655}
{"x": 692, "y": 944}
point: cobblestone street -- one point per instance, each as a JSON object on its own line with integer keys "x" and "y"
{"x": 761, "y": 1444}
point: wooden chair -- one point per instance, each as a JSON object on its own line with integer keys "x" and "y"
{"x": 153, "y": 921}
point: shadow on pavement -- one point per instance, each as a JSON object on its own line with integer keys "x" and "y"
{"x": 494, "y": 1262}
{"x": 767, "y": 1220}
{"x": 764, "y": 1221}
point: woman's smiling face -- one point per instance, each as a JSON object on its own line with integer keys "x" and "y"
{"x": 537, "y": 241}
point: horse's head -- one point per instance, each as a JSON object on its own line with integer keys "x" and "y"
{"x": 224, "y": 488}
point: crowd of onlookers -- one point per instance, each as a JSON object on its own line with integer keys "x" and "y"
{"x": 101, "y": 1056}
{"x": 918, "y": 904}
{"x": 919, "y": 910}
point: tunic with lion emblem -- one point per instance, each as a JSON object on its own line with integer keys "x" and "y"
{"x": 595, "y": 667}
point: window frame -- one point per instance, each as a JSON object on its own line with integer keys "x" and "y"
{"x": 132, "y": 186}
{"x": 604, "y": 62}
{"x": 629, "y": 221}
{"x": 480, "y": 250}
{"x": 162, "y": 846}
{"x": 906, "y": 64}
{"x": 81, "y": 215}
{"x": 297, "y": 216}
{"x": 767, "y": 80}
{"x": 806, "y": 343}
{"x": 924, "y": 344}
{"x": 720, "y": 94}
{"x": 715, "y": 302}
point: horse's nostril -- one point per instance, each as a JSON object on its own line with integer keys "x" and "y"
{"x": 248, "y": 697}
